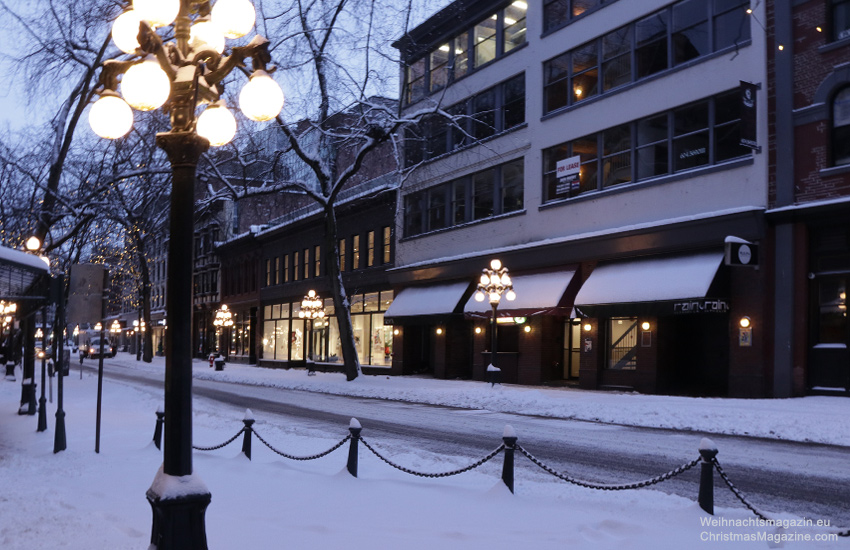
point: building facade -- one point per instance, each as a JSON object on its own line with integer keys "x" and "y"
{"x": 600, "y": 150}
{"x": 810, "y": 194}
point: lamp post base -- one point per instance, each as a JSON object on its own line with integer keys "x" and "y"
{"x": 179, "y": 523}
{"x": 28, "y": 401}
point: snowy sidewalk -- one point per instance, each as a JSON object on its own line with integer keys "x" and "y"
{"x": 79, "y": 500}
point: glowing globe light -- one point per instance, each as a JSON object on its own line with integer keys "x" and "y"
{"x": 261, "y": 98}
{"x": 145, "y": 86}
{"x": 158, "y": 13}
{"x": 217, "y": 124}
{"x": 206, "y": 33}
{"x": 234, "y": 17}
{"x": 33, "y": 244}
{"x": 125, "y": 31}
{"x": 110, "y": 117}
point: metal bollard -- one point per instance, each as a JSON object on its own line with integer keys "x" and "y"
{"x": 246, "y": 440}
{"x": 707, "y": 450}
{"x": 157, "y": 432}
{"x": 509, "y": 437}
{"x": 354, "y": 428}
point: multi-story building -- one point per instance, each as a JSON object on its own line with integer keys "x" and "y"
{"x": 269, "y": 268}
{"x": 601, "y": 150}
{"x": 809, "y": 57}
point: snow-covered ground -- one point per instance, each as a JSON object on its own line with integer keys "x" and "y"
{"x": 79, "y": 499}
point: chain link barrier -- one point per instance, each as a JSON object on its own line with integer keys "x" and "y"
{"x": 740, "y": 496}
{"x": 434, "y": 475}
{"x": 225, "y": 444}
{"x": 605, "y": 487}
{"x": 293, "y": 457}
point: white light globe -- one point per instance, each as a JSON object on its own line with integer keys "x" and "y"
{"x": 511, "y": 295}
{"x": 479, "y": 296}
{"x": 125, "y": 31}
{"x": 217, "y": 125}
{"x": 234, "y": 17}
{"x": 110, "y": 117}
{"x": 495, "y": 265}
{"x": 158, "y": 13}
{"x": 33, "y": 244}
{"x": 145, "y": 86}
{"x": 206, "y": 33}
{"x": 261, "y": 98}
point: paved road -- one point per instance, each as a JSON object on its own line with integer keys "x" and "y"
{"x": 809, "y": 480}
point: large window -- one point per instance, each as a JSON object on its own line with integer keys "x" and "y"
{"x": 557, "y": 13}
{"x": 841, "y": 127}
{"x": 699, "y": 134}
{"x": 489, "y": 39}
{"x": 479, "y": 196}
{"x": 489, "y": 112}
{"x": 840, "y": 19}
{"x": 687, "y": 30}
{"x": 622, "y": 343}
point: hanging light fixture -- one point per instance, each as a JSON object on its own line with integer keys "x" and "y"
{"x": 110, "y": 117}
{"x": 206, "y": 33}
{"x": 234, "y": 17}
{"x": 145, "y": 85}
{"x": 125, "y": 31}
{"x": 261, "y": 98}
{"x": 217, "y": 124}
{"x": 158, "y": 13}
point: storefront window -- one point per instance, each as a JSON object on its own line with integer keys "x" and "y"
{"x": 268, "y": 339}
{"x": 360, "y": 327}
{"x": 832, "y": 327}
{"x": 382, "y": 341}
{"x": 622, "y": 343}
{"x": 297, "y": 340}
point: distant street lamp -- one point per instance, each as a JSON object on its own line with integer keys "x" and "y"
{"x": 223, "y": 319}
{"x": 494, "y": 282}
{"x": 312, "y": 307}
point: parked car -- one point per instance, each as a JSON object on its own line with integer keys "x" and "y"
{"x": 92, "y": 349}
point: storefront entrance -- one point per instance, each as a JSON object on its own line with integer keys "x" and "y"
{"x": 693, "y": 354}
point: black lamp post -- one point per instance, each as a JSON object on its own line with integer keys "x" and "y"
{"x": 184, "y": 74}
{"x": 494, "y": 282}
{"x": 41, "y": 334}
{"x": 312, "y": 307}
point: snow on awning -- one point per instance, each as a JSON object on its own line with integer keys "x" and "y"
{"x": 672, "y": 278}
{"x": 534, "y": 294}
{"x": 427, "y": 301}
{"x": 19, "y": 273}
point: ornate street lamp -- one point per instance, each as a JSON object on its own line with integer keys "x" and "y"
{"x": 190, "y": 69}
{"x": 312, "y": 307}
{"x": 494, "y": 282}
{"x": 223, "y": 319}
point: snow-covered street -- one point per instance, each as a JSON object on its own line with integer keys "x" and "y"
{"x": 79, "y": 499}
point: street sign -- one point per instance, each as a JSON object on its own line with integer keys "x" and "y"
{"x": 741, "y": 252}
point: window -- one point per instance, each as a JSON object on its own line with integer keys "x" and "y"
{"x": 370, "y": 249}
{"x": 268, "y": 272}
{"x": 493, "y": 37}
{"x": 484, "y": 40}
{"x": 482, "y": 195}
{"x": 276, "y": 274}
{"x": 306, "y": 263}
{"x": 342, "y": 254}
{"x": 286, "y": 268}
{"x": 355, "y": 246}
{"x": 494, "y": 110}
{"x": 317, "y": 253}
{"x": 687, "y": 30}
{"x": 840, "y": 19}
{"x": 841, "y": 127}
{"x": 622, "y": 343}
{"x": 699, "y": 134}
{"x": 416, "y": 81}
{"x": 556, "y": 13}
{"x": 387, "y": 244}
{"x": 295, "y": 265}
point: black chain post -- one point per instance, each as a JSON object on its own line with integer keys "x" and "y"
{"x": 157, "y": 432}
{"x": 246, "y": 441}
{"x": 510, "y": 440}
{"x": 355, "y": 428}
{"x": 708, "y": 451}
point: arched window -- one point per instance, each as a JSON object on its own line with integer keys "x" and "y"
{"x": 841, "y": 127}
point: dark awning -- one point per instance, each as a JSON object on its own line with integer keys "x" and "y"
{"x": 535, "y": 294}
{"x": 658, "y": 286}
{"x": 426, "y": 303}
{"x": 24, "y": 279}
